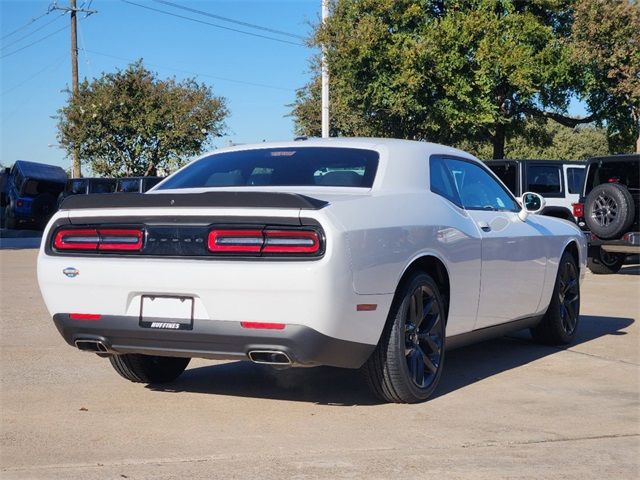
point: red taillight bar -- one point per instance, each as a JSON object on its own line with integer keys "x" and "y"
{"x": 129, "y": 239}
{"x": 85, "y": 316}
{"x": 263, "y": 325}
{"x": 263, "y": 241}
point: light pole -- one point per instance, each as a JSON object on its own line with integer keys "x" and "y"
{"x": 325, "y": 77}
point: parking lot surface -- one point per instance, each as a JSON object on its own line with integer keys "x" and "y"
{"x": 506, "y": 408}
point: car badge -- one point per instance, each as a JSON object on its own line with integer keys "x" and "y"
{"x": 71, "y": 272}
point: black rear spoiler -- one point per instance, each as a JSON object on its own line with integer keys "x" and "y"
{"x": 206, "y": 199}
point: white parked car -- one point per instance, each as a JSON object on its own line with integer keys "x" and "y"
{"x": 359, "y": 253}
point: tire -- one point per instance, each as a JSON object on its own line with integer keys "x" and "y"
{"x": 605, "y": 263}
{"x": 9, "y": 220}
{"x": 148, "y": 368}
{"x": 560, "y": 322}
{"x": 609, "y": 210}
{"x": 407, "y": 363}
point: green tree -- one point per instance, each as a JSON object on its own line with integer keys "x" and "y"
{"x": 606, "y": 43}
{"x": 133, "y": 123}
{"x": 444, "y": 70}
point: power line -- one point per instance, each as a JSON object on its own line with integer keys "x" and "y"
{"x": 231, "y": 20}
{"x": 214, "y": 25}
{"x": 232, "y": 80}
{"x": 34, "y": 19}
{"x": 4, "y": 47}
{"x": 33, "y": 43}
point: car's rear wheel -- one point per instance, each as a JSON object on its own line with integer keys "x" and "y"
{"x": 560, "y": 322}
{"x": 148, "y": 368}
{"x": 604, "y": 263}
{"x": 407, "y": 363}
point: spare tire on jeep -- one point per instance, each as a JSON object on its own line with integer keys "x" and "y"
{"x": 609, "y": 210}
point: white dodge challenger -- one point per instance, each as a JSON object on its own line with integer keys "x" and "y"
{"x": 360, "y": 253}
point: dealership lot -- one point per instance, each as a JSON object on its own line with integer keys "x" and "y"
{"x": 507, "y": 408}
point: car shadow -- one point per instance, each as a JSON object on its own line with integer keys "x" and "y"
{"x": 630, "y": 270}
{"x": 344, "y": 387}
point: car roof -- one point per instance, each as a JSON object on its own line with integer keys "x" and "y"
{"x": 41, "y": 171}
{"x": 535, "y": 160}
{"x": 634, "y": 157}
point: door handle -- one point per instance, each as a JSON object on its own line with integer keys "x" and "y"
{"x": 484, "y": 226}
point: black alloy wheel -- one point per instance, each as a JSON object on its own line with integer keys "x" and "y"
{"x": 407, "y": 363}
{"x": 569, "y": 297}
{"x": 423, "y": 337}
{"x": 560, "y": 322}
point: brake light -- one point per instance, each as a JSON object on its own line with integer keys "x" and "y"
{"x": 85, "y": 316}
{"x": 578, "y": 210}
{"x": 19, "y": 203}
{"x": 129, "y": 239}
{"x": 268, "y": 241}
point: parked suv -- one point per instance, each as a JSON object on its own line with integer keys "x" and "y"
{"x": 559, "y": 182}
{"x": 83, "y": 186}
{"x": 31, "y": 192}
{"x": 137, "y": 184}
{"x": 608, "y": 210}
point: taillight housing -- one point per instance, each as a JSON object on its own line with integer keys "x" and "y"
{"x": 268, "y": 241}
{"x": 99, "y": 239}
{"x": 578, "y": 210}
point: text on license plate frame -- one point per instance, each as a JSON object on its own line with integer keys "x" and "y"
{"x": 166, "y": 312}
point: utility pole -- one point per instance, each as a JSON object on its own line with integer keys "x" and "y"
{"x": 325, "y": 77}
{"x": 73, "y": 10}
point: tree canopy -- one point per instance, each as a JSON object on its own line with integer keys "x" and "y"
{"x": 133, "y": 123}
{"x": 449, "y": 71}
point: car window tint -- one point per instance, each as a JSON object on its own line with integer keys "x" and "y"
{"x": 304, "y": 166}
{"x": 626, "y": 173}
{"x": 128, "y": 185}
{"x": 575, "y": 177}
{"x": 441, "y": 181}
{"x": 477, "y": 189}
{"x": 544, "y": 178}
{"x": 508, "y": 174}
{"x": 77, "y": 186}
{"x": 103, "y": 186}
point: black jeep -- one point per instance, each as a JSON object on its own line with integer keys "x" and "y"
{"x": 608, "y": 209}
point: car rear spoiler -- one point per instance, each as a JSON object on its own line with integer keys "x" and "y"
{"x": 205, "y": 199}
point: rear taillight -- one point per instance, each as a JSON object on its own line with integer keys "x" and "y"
{"x": 69, "y": 239}
{"x": 578, "y": 210}
{"x": 268, "y": 241}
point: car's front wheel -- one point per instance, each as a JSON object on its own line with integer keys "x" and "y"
{"x": 407, "y": 363}
{"x": 148, "y": 368}
{"x": 560, "y": 322}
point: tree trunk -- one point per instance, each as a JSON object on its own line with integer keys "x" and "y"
{"x": 498, "y": 142}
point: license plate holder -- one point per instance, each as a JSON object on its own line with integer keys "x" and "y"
{"x": 166, "y": 312}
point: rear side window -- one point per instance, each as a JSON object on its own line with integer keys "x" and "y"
{"x": 305, "y": 166}
{"x": 128, "y": 185}
{"x": 544, "y": 178}
{"x": 77, "y": 186}
{"x": 575, "y": 177}
{"x": 103, "y": 186}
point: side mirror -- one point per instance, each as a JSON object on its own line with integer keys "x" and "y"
{"x": 531, "y": 203}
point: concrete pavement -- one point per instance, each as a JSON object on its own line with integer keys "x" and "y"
{"x": 507, "y": 408}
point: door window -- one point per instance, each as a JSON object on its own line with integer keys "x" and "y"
{"x": 507, "y": 172}
{"x": 544, "y": 179}
{"x": 478, "y": 189}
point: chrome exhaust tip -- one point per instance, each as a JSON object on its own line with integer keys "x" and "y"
{"x": 95, "y": 346}
{"x": 269, "y": 357}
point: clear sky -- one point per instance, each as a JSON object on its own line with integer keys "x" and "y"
{"x": 33, "y": 80}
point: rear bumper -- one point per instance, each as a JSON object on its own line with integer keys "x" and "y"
{"x": 215, "y": 340}
{"x": 629, "y": 243}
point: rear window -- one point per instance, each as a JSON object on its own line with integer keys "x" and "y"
{"x": 544, "y": 179}
{"x": 129, "y": 185}
{"x": 625, "y": 173}
{"x": 306, "y": 166}
{"x": 575, "y": 177}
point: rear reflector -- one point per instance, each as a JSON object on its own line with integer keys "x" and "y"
{"x": 85, "y": 316}
{"x": 268, "y": 241}
{"x": 578, "y": 210}
{"x": 129, "y": 239}
{"x": 264, "y": 326}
